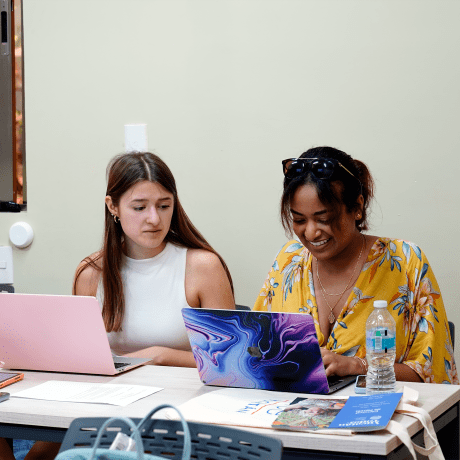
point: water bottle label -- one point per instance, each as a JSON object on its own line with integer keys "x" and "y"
{"x": 378, "y": 340}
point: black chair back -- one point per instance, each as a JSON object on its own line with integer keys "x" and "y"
{"x": 452, "y": 332}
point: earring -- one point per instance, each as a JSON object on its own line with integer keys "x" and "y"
{"x": 115, "y": 219}
{"x": 358, "y": 216}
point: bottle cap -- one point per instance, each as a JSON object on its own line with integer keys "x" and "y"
{"x": 380, "y": 304}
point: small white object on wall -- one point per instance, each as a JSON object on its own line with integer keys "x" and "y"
{"x": 21, "y": 234}
{"x": 136, "y": 138}
{"x": 6, "y": 265}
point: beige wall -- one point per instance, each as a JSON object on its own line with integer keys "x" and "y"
{"x": 229, "y": 89}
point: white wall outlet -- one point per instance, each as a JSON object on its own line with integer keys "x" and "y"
{"x": 6, "y": 265}
{"x": 136, "y": 138}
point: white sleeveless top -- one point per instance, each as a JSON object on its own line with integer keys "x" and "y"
{"x": 154, "y": 296}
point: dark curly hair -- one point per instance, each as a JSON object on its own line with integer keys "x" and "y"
{"x": 341, "y": 187}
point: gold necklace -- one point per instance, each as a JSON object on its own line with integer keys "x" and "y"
{"x": 331, "y": 316}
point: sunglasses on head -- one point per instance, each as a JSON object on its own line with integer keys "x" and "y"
{"x": 321, "y": 168}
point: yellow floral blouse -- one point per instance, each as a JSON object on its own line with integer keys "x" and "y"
{"x": 396, "y": 271}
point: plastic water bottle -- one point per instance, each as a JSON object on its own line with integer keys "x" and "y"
{"x": 380, "y": 350}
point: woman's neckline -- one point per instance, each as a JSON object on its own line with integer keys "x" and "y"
{"x": 156, "y": 257}
{"x": 356, "y": 282}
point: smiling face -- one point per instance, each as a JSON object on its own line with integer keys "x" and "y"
{"x": 145, "y": 211}
{"x": 327, "y": 231}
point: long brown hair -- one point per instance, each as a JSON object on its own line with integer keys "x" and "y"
{"x": 123, "y": 172}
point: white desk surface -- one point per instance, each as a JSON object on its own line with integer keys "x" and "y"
{"x": 182, "y": 384}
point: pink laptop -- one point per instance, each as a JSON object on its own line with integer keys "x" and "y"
{"x": 57, "y": 333}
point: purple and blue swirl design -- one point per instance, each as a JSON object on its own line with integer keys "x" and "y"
{"x": 271, "y": 351}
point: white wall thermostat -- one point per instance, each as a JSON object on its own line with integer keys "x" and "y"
{"x": 21, "y": 234}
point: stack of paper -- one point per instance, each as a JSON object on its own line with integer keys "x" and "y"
{"x": 84, "y": 392}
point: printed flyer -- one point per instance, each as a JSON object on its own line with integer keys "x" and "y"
{"x": 367, "y": 413}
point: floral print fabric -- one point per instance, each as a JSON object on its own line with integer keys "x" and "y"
{"x": 396, "y": 271}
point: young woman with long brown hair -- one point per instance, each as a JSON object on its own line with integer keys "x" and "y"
{"x": 153, "y": 263}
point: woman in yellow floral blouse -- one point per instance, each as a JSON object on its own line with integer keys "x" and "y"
{"x": 336, "y": 272}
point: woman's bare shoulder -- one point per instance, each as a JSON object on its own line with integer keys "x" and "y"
{"x": 87, "y": 275}
{"x": 207, "y": 284}
{"x": 202, "y": 259}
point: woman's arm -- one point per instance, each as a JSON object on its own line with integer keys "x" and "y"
{"x": 164, "y": 356}
{"x": 86, "y": 279}
{"x": 341, "y": 365}
{"x": 206, "y": 282}
{"x": 406, "y": 373}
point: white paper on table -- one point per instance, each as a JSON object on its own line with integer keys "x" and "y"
{"x": 235, "y": 406}
{"x": 243, "y": 407}
{"x": 84, "y": 392}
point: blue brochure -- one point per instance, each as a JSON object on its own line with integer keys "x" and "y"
{"x": 367, "y": 413}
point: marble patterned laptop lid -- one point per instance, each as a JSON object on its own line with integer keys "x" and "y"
{"x": 248, "y": 349}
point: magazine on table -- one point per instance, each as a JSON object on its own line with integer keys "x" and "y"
{"x": 306, "y": 414}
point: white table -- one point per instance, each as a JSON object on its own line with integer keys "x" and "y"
{"x": 34, "y": 419}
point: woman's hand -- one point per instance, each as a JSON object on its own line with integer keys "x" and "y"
{"x": 340, "y": 365}
{"x": 165, "y": 356}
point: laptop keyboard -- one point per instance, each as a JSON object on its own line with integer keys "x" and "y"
{"x": 118, "y": 365}
{"x": 333, "y": 379}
